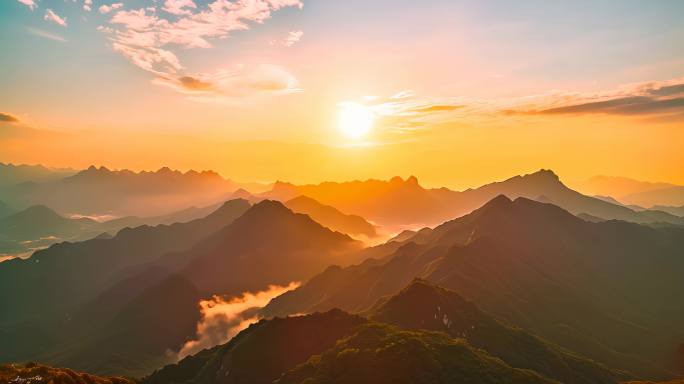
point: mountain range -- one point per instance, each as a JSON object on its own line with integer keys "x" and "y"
{"x": 523, "y": 280}
{"x": 401, "y": 204}
{"x": 38, "y": 227}
{"x": 634, "y": 192}
{"x": 83, "y": 270}
{"x": 13, "y": 174}
{"x": 139, "y": 278}
{"x": 536, "y": 266}
{"x": 101, "y": 191}
{"x": 465, "y": 344}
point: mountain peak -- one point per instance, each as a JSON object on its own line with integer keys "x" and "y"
{"x": 544, "y": 175}
{"x": 40, "y": 211}
{"x": 410, "y": 181}
{"x": 501, "y": 201}
{"x": 230, "y": 205}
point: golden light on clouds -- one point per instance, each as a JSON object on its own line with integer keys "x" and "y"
{"x": 355, "y": 120}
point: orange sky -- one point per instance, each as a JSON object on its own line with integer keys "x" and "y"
{"x": 460, "y": 93}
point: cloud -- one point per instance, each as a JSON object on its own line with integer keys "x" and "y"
{"x": 642, "y": 99}
{"x": 8, "y": 118}
{"x": 437, "y": 108}
{"x": 150, "y": 41}
{"x": 654, "y": 101}
{"x": 241, "y": 81}
{"x": 87, "y": 5}
{"x": 55, "y": 18}
{"x": 178, "y": 7}
{"x": 222, "y": 318}
{"x": 104, "y": 9}
{"x": 29, "y": 3}
{"x": 293, "y": 38}
{"x": 45, "y": 34}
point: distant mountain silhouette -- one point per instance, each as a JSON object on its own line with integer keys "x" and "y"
{"x": 261, "y": 353}
{"x": 677, "y": 211}
{"x": 399, "y": 202}
{"x": 6, "y": 210}
{"x": 40, "y": 221}
{"x": 83, "y": 270}
{"x": 382, "y": 354}
{"x": 39, "y": 226}
{"x": 245, "y": 194}
{"x": 103, "y": 191}
{"x": 425, "y": 306}
{"x": 268, "y": 244}
{"x": 665, "y": 196}
{"x": 617, "y": 187}
{"x": 32, "y": 373}
{"x": 13, "y": 174}
{"x": 634, "y": 192}
{"x": 396, "y": 201}
{"x": 575, "y": 283}
{"x": 608, "y": 199}
{"x": 331, "y": 217}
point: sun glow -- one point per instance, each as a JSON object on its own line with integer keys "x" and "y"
{"x": 355, "y": 120}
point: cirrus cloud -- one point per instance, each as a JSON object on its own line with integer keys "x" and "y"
{"x": 240, "y": 81}
{"x": 150, "y": 41}
{"x": 50, "y": 15}
{"x": 405, "y": 111}
{"x": 8, "y": 118}
{"x": 654, "y": 98}
{"x": 293, "y": 38}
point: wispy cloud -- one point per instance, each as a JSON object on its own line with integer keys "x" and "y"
{"x": 293, "y": 38}
{"x": 653, "y": 98}
{"x": 8, "y": 118}
{"x": 406, "y": 111}
{"x": 50, "y": 15}
{"x": 45, "y": 34}
{"x": 150, "y": 41}
{"x": 29, "y": 3}
{"x": 241, "y": 81}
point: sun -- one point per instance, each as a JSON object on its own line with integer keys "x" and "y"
{"x": 355, "y": 120}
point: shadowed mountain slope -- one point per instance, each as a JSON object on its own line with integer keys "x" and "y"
{"x": 41, "y": 221}
{"x": 331, "y": 217}
{"x": 46, "y": 291}
{"x": 32, "y": 373}
{"x": 6, "y": 210}
{"x": 424, "y": 306}
{"x": 380, "y": 353}
{"x": 267, "y": 245}
{"x": 539, "y": 267}
{"x": 262, "y": 352}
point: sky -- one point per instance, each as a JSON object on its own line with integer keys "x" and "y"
{"x": 458, "y": 93}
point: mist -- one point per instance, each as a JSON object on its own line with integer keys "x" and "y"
{"x": 224, "y": 317}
